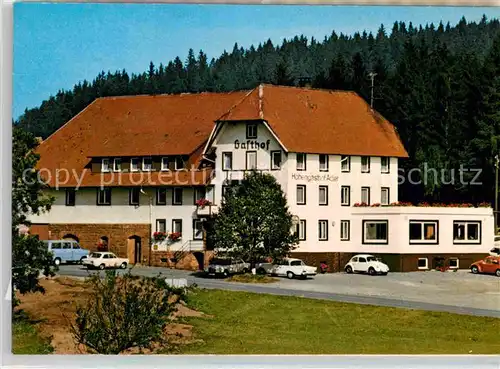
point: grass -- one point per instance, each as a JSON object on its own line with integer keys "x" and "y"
{"x": 26, "y": 339}
{"x": 251, "y": 278}
{"x": 247, "y": 323}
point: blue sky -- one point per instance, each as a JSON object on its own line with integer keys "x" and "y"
{"x": 57, "y": 45}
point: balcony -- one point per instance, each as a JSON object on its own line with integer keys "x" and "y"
{"x": 206, "y": 211}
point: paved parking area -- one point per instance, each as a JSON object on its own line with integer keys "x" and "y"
{"x": 461, "y": 291}
{"x": 460, "y": 288}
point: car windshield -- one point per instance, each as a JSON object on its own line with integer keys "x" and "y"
{"x": 95, "y": 255}
{"x": 221, "y": 261}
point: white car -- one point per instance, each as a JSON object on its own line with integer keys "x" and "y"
{"x": 103, "y": 260}
{"x": 495, "y": 251}
{"x": 293, "y": 268}
{"x": 365, "y": 263}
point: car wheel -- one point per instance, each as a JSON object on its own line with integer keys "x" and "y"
{"x": 497, "y": 273}
{"x": 225, "y": 274}
{"x": 102, "y": 266}
{"x": 82, "y": 259}
{"x": 474, "y": 269}
{"x": 261, "y": 271}
{"x": 348, "y": 269}
{"x": 57, "y": 261}
{"x": 123, "y": 266}
{"x": 290, "y": 275}
{"x": 372, "y": 271}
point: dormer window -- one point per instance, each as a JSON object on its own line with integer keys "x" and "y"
{"x": 252, "y": 130}
{"x": 179, "y": 162}
{"x": 147, "y": 164}
{"x": 134, "y": 164}
{"x": 105, "y": 167}
{"x": 164, "y": 163}
{"x": 117, "y": 165}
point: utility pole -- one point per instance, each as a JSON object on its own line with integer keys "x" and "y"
{"x": 372, "y": 77}
{"x": 496, "y": 192}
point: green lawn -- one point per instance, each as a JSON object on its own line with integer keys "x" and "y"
{"x": 247, "y": 323}
{"x": 26, "y": 340}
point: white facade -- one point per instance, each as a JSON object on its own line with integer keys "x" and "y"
{"x": 327, "y": 218}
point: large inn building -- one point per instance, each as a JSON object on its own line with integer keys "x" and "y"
{"x": 126, "y": 167}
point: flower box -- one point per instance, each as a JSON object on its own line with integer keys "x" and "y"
{"x": 174, "y": 236}
{"x": 159, "y": 236}
{"x": 201, "y": 203}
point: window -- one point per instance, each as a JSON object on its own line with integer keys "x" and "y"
{"x": 227, "y": 161}
{"x": 454, "y": 263}
{"x": 161, "y": 225}
{"x": 466, "y": 232}
{"x": 197, "y": 229}
{"x": 361, "y": 260}
{"x": 301, "y": 161}
{"x": 345, "y": 195}
{"x": 423, "y": 231}
{"x": 365, "y": 164}
{"x": 345, "y": 163}
{"x": 179, "y": 163}
{"x": 323, "y": 163}
{"x": 177, "y": 225}
{"x": 275, "y": 160}
{"x": 66, "y": 246}
{"x": 384, "y": 164}
{"x": 301, "y": 194}
{"x": 56, "y": 246}
{"x": 323, "y": 230}
{"x": 164, "y": 163}
{"x": 104, "y": 196}
{"x": 323, "y": 195}
{"x": 161, "y": 196}
{"x": 376, "y": 231}
{"x": 252, "y": 130}
{"x": 200, "y": 193}
{"x": 134, "y": 196}
{"x": 251, "y": 160}
{"x": 105, "y": 165}
{"x": 365, "y": 195}
{"x": 384, "y": 196}
{"x": 117, "y": 165}
{"x": 134, "y": 164}
{"x": 300, "y": 230}
{"x": 423, "y": 263}
{"x": 177, "y": 196}
{"x": 147, "y": 164}
{"x": 70, "y": 197}
{"x": 225, "y": 190}
{"x": 345, "y": 230}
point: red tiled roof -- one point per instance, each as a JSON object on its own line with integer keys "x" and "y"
{"x": 305, "y": 120}
{"x": 320, "y": 121}
{"x": 135, "y": 126}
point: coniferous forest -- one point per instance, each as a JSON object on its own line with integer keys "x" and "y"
{"x": 438, "y": 84}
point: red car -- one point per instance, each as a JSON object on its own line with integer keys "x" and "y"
{"x": 489, "y": 265}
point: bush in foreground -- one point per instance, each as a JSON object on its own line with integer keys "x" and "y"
{"x": 124, "y": 312}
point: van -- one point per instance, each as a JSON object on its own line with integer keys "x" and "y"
{"x": 66, "y": 251}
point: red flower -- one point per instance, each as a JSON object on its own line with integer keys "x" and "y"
{"x": 202, "y": 203}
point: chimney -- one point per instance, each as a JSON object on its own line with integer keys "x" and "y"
{"x": 261, "y": 95}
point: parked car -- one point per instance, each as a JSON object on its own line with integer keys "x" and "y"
{"x": 488, "y": 265}
{"x": 103, "y": 260}
{"x": 495, "y": 251}
{"x": 66, "y": 251}
{"x": 263, "y": 266}
{"x": 227, "y": 266}
{"x": 292, "y": 268}
{"x": 365, "y": 263}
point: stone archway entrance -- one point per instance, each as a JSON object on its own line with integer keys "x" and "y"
{"x": 134, "y": 249}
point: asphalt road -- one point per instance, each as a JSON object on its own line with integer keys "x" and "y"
{"x": 314, "y": 288}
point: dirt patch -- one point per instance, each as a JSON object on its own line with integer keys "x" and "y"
{"x": 55, "y": 310}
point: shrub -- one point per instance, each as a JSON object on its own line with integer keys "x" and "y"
{"x": 123, "y": 312}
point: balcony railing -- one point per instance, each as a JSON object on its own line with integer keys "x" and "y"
{"x": 206, "y": 211}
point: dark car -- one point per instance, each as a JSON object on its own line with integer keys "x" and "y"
{"x": 226, "y": 267}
